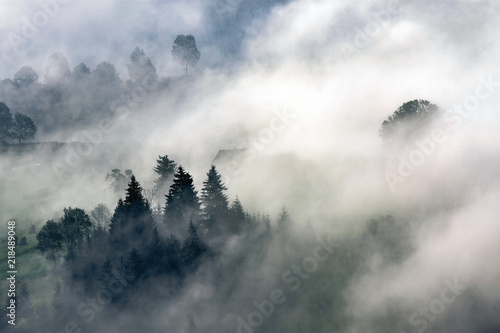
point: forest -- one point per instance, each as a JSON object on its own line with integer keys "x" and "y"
{"x": 249, "y": 166}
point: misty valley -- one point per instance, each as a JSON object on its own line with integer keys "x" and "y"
{"x": 249, "y": 166}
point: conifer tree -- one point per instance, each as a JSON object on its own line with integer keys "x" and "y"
{"x": 165, "y": 168}
{"x": 284, "y": 222}
{"x": 135, "y": 266}
{"x": 236, "y": 217}
{"x": 172, "y": 260}
{"x": 141, "y": 70}
{"x": 213, "y": 199}
{"x": 182, "y": 203}
{"x": 132, "y": 222}
{"x": 193, "y": 249}
{"x": 106, "y": 272}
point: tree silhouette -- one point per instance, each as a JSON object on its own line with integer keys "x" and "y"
{"x": 185, "y": 52}
{"x": 135, "y": 266}
{"x": 132, "y": 223}
{"x": 75, "y": 227}
{"x": 408, "y": 119}
{"x": 81, "y": 72}
{"x": 25, "y": 77}
{"x": 117, "y": 180}
{"x": 165, "y": 168}
{"x": 284, "y": 222}
{"x": 106, "y": 272}
{"x": 23, "y": 128}
{"x": 5, "y": 123}
{"x": 193, "y": 249}
{"x": 50, "y": 240}
{"x": 141, "y": 70}
{"x": 236, "y": 217}
{"x": 213, "y": 199}
{"x": 182, "y": 203}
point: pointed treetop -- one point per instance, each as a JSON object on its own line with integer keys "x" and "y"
{"x": 134, "y": 191}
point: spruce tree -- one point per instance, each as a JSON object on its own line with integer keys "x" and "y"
{"x": 284, "y": 222}
{"x": 165, "y": 168}
{"x": 132, "y": 222}
{"x": 213, "y": 199}
{"x": 194, "y": 249}
{"x": 106, "y": 272}
{"x": 237, "y": 217}
{"x": 182, "y": 203}
{"x": 172, "y": 257}
{"x": 135, "y": 266}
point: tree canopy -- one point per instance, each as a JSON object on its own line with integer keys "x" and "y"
{"x": 23, "y": 127}
{"x": 184, "y": 51}
{"x": 141, "y": 70}
{"x": 408, "y": 119}
{"x": 182, "y": 204}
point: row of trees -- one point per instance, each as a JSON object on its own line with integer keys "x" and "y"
{"x": 20, "y": 127}
{"x": 82, "y": 96}
{"x": 57, "y": 71}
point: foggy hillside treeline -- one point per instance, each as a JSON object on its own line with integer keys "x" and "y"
{"x": 313, "y": 166}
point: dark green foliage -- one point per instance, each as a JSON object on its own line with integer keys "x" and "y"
{"x": 132, "y": 223}
{"x": 32, "y": 230}
{"x": 193, "y": 249}
{"x": 182, "y": 203}
{"x": 408, "y": 119}
{"x": 184, "y": 51}
{"x": 156, "y": 251}
{"x": 23, "y": 241}
{"x": 172, "y": 256}
{"x": 213, "y": 199}
{"x": 75, "y": 227}
{"x": 5, "y": 123}
{"x": 135, "y": 265}
{"x": 106, "y": 272}
{"x": 237, "y": 217}
{"x": 23, "y": 127}
{"x": 50, "y": 240}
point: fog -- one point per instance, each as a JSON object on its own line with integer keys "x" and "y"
{"x": 304, "y": 87}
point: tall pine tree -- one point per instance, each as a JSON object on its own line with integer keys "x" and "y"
{"x": 182, "y": 203}
{"x": 237, "y": 217}
{"x": 132, "y": 222}
{"x": 165, "y": 168}
{"x": 213, "y": 199}
{"x": 194, "y": 249}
